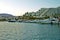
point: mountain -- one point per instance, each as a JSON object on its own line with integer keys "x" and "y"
{"x": 5, "y": 14}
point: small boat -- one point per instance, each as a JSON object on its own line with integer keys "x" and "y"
{"x": 11, "y": 20}
{"x": 19, "y": 20}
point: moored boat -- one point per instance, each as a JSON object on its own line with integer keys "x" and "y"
{"x": 50, "y": 21}
{"x": 11, "y": 20}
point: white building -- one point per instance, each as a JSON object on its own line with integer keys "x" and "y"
{"x": 44, "y": 12}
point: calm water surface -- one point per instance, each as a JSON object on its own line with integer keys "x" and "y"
{"x": 29, "y": 31}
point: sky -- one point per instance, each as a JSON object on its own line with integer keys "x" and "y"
{"x": 19, "y": 7}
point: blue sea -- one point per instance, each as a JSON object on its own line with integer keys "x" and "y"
{"x": 29, "y": 31}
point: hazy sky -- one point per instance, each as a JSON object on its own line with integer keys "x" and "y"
{"x": 19, "y": 7}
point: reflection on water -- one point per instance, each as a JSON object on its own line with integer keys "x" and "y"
{"x": 29, "y": 31}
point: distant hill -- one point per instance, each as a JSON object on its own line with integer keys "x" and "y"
{"x": 5, "y": 14}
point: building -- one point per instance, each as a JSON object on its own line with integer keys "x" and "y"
{"x": 44, "y": 12}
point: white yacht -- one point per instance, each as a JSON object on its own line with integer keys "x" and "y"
{"x": 50, "y": 20}
{"x": 32, "y": 21}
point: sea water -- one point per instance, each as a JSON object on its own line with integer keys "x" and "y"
{"x": 29, "y": 31}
